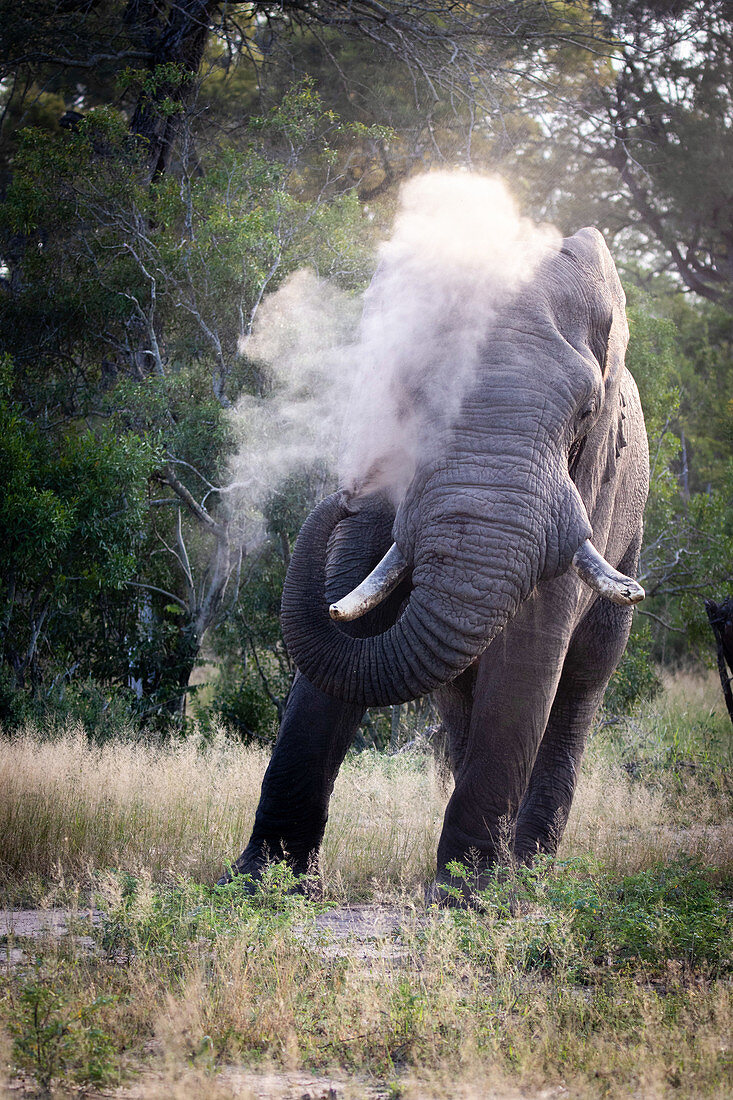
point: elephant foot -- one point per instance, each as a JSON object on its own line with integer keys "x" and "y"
{"x": 300, "y": 875}
{"x": 244, "y": 866}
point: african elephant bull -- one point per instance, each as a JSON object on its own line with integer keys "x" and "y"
{"x": 492, "y": 595}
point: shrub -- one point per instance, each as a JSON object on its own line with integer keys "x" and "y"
{"x": 55, "y": 1034}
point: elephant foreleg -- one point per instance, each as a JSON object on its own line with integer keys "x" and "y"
{"x": 516, "y": 681}
{"x": 595, "y": 650}
{"x": 317, "y": 729}
{"x": 315, "y": 734}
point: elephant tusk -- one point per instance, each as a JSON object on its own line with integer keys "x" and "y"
{"x": 373, "y": 589}
{"x": 604, "y": 579}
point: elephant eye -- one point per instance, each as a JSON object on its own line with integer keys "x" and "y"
{"x": 588, "y": 412}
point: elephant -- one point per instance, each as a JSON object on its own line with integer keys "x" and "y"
{"x": 502, "y": 583}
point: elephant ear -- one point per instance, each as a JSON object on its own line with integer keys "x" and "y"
{"x": 618, "y": 338}
{"x": 610, "y": 330}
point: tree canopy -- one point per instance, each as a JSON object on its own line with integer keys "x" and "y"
{"x": 165, "y": 167}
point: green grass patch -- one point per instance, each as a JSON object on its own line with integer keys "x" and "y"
{"x": 560, "y": 973}
{"x": 577, "y": 917}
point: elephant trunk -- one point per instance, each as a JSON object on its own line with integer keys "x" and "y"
{"x": 373, "y": 671}
{"x": 459, "y": 602}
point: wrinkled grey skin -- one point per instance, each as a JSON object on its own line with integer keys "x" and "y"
{"x": 548, "y": 450}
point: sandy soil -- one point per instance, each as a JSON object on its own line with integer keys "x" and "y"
{"x": 33, "y": 924}
{"x": 360, "y": 931}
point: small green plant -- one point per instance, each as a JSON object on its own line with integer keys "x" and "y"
{"x": 55, "y": 1034}
{"x": 636, "y": 678}
{"x": 278, "y": 891}
{"x": 146, "y": 920}
{"x": 578, "y": 916}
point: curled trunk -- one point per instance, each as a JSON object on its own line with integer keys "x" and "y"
{"x": 443, "y": 627}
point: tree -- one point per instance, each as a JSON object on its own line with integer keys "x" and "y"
{"x": 71, "y": 510}
{"x": 458, "y": 68}
{"x": 653, "y": 141}
{"x": 704, "y": 374}
{"x": 128, "y": 303}
{"x": 688, "y": 541}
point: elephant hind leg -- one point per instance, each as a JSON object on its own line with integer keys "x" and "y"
{"x": 546, "y": 805}
{"x": 596, "y": 648}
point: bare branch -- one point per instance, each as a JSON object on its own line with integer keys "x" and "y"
{"x": 162, "y": 591}
{"x": 660, "y": 620}
{"x": 184, "y": 561}
{"x": 169, "y": 478}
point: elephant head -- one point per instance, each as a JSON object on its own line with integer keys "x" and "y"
{"x": 501, "y": 504}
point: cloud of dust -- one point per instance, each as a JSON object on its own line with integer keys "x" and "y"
{"x": 459, "y": 249}
{"x": 373, "y": 396}
{"x": 304, "y": 334}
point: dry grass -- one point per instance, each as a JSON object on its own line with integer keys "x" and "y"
{"x": 384, "y": 824}
{"x": 658, "y": 786}
{"x": 652, "y": 790}
{"x": 68, "y": 808}
{"x": 590, "y": 993}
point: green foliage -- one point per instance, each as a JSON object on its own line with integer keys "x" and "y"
{"x": 243, "y": 697}
{"x": 704, "y": 373}
{"x": 178, "y": 264}
{"x": 579, "y": 918}
{"x": 688, "y": 543}
{"x": 635, "y": 679}
{"x": 679, "y": 747}
{"x": 652, "y": 170}
{"x": 652, "y": 360}
{"x": 57, "y": 1036}
{"x": 145, "y": 921}
{"x": 254, "y": 671}
{"x": 129, "y": 300}
{"x": 152, "y": 86}
{"x": 71, "y": 508}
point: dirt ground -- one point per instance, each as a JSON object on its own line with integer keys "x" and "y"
{"x": 32, "y": 924}
{"x": 360, "y": 931}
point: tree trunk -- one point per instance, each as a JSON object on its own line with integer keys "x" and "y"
{"x": 179, "y": 43}
{"x": 204, "y": 601}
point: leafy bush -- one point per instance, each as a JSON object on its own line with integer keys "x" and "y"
{"x": 56, "y": 1035}
{"x": 577, "y": 918}
{"x": 636, "y": 678}
{"x": 241, "y": 701}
